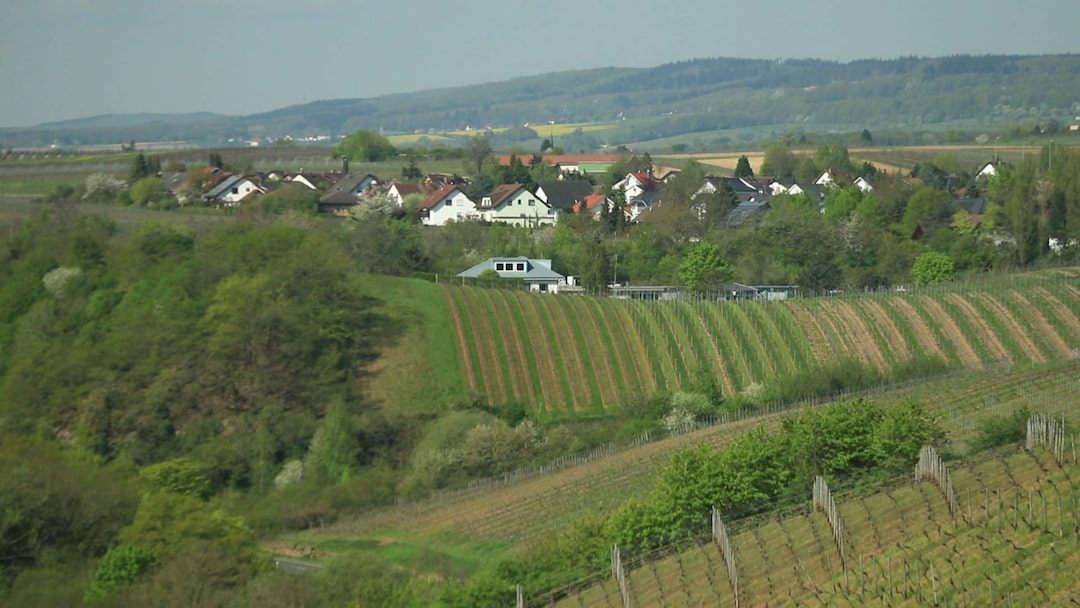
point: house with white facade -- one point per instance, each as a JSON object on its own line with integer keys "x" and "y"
{"x": 536, "y": 274}
{"x": 515, "y": 204}
{"x": 447, "y": 204}
{"x": 231, "y": 190}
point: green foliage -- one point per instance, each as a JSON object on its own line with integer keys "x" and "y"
{"x": 845, "y": 441}
{"x": 122, "y": 565}
{"x": 742, "y": 167}
{"x": 996, "y": 431}
{"x": 933, "y": 267}
{"x": 55, "y": 505}
{"x": 703, "y": 269}
{"x": 178, "y": 476}
{"x": 367, "y": 146}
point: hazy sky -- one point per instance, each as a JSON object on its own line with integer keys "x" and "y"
{"x": 62, "y": 59}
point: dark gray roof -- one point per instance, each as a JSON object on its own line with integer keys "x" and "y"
{"x": 974, "y": 206}
{"x": 564, "y": 193}
{"x": 746, "y": 211}
{"x": 222, "y": 186}
{"x": 347, "y": 189}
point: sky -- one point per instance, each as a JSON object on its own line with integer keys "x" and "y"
{"x": 67, "y": 59}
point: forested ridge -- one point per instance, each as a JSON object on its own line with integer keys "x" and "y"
{"x": 699, "y": 95}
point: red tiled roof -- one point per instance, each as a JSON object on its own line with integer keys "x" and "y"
{"x": 437, "y": 196}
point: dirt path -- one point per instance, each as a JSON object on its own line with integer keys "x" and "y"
{"x": 967, "y": 354}
{"x": 550, "y": 382}
{"x": 853, "y": 327}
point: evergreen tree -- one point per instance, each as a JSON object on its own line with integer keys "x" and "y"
{"x": 743, "y": 169}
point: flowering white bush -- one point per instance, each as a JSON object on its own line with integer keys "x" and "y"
{"x": 56, "y": 278}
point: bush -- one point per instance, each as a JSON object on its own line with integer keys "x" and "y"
{"x": 997, "y": 431}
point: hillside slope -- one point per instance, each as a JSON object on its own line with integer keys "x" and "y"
{"x": 1013, "y": 540}
{"x": 568, "y": 356}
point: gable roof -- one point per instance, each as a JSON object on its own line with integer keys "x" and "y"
{"x": 222, "y": 186}
{"x": 745, "y": 211}
{"x": 342, "y": 192}
{"x": 439, "y": 195}
{"x": 561, "y": 194}
{"x": 502, "y": 193}
{"x": 406, "y": 188}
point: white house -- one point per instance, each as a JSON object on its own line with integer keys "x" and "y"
{"x": 635, "y": 184}
{"x": 446, "y": 204}
{"x": 514, "y": 204}
{"x": 536, "y": 274}
{"x": 231, "y": 190}
{"x": 399, "y": 190}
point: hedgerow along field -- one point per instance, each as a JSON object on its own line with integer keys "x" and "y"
{"x": 1014, "y": 539}
{"x": 563, "y": 356}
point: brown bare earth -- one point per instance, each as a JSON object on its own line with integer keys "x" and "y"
{"x": 1064, "y": 314}
{"x": 922, "y": 332}
{"x": 544, "y": 357}
{"x": 853, "y": 326}
{"x": 1014, "y": 327}
{"x": 986, "y": 333}
{"x": 967, "y": 354}
{"x": 1036, "y": 317}
{"x": 888, "y": 328}
{"x": 493, "y": 378}
{"x": 519, "y": 369}
{"x": 815, "y": 335}
{"x": 710, "y": 338}
{"x": 462, "y": 340}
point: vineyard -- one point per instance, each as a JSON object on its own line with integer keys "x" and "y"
{"x": 1013, "y": 539}
{"x": 566, "y": 354}
{"x": 522, "y": 510}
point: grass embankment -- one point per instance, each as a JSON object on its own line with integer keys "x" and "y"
{"x": 513, "y": 517}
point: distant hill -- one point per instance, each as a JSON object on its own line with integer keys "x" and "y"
{"x": 645, "y": 104}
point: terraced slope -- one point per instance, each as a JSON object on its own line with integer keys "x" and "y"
{"x": 1014, "y": 540}
{"x": 584, "y": 354}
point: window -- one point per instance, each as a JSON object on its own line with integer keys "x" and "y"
{"x": 449, "y": 202}
{"x": 499, "y": 266}
{"x": 532, "y": 202}
{"x": 521, "y": 266}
